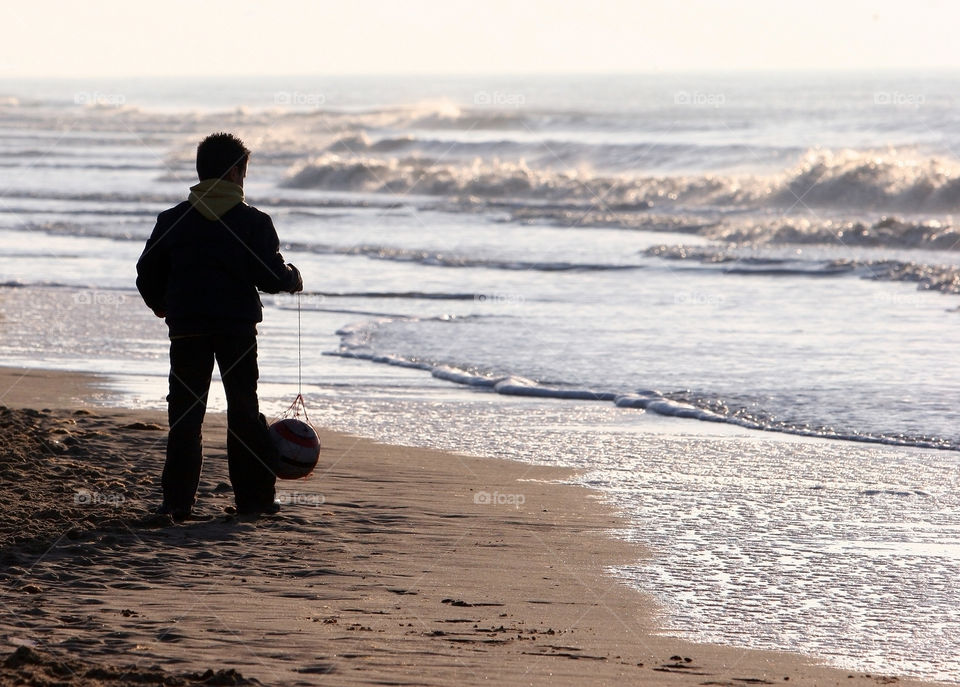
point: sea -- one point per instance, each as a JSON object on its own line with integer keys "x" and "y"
{"x": 730, "y": 301}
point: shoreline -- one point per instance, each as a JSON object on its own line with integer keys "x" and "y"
{"x": 397, "y": 564}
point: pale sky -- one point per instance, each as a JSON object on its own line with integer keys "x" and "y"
{"x": 115, "y": 38}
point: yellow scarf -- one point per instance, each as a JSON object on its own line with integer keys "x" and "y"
{"x": 214, "y": 197}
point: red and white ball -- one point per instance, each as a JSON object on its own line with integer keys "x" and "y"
{"x": 298, "y": 445}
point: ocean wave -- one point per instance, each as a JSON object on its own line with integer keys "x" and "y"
{"x": 732, "y": 263}
{"x": 405, "y": 295}
{"x": 528, "y": 154}
{"x": 938, "y": 278}
{"x": 127, "y": 231}
{"x": 559, "y": 153}
{"x": 356, "y": 340}
{"x": 846, "y": 180}
{"x": 140, "y": 231}
{"x": 437, "y": 114}
{"x": 890, "y": 232}
{"x": 495, "y": 179}
{"x": 104, "y": 197}
{"x": 13, "y": 163}
{"x": 442, "y": 259}
{"x": 105, "y": 203}
{"x": 41, "y": 284}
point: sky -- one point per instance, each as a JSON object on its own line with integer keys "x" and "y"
{"x": 119, "y": 38}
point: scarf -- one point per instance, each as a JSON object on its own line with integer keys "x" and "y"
{"x": 214, "y": 197}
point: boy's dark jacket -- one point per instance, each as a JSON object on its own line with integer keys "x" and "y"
{"x": 205, "y": 273}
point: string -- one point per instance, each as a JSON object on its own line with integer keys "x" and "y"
{"x": 299, "y": 398}
{"x": 299, "y": 405}
{"x": 299, "y": 355}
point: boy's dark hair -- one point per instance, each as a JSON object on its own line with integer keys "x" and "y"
{"x": 218, "y": 153}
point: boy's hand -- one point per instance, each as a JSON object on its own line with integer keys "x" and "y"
{"x": 298, "y": 282}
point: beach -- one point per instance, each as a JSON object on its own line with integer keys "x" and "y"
{"x": 711, "y": 317}
{"x": 389, "y": 565}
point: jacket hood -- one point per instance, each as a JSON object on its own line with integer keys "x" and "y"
{"x": 213, "y": 198}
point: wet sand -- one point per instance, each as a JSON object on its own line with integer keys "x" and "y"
{"x": 389, "y": 565}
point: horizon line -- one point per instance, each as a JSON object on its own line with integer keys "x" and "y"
{"x": 706, "y": 71}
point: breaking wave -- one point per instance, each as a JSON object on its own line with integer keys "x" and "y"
{"x": 356, "y": 339}
{"x": 890, "y": 232}
{"x": 938, "y": 278}
{"x": 497, "y": 179}
{"x": 558, "y": 153}
{"x": 844, "y": 180}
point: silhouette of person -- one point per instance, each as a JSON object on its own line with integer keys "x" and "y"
{"x": 201, "y": 270}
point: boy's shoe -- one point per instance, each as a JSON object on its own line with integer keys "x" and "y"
{"x": 271, "y": 508}
{"x": 178, "y": 513}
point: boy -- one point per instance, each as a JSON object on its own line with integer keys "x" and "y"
{"x": 200, "y": 270}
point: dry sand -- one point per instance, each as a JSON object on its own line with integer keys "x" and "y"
{"x": 385, "y": 567}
